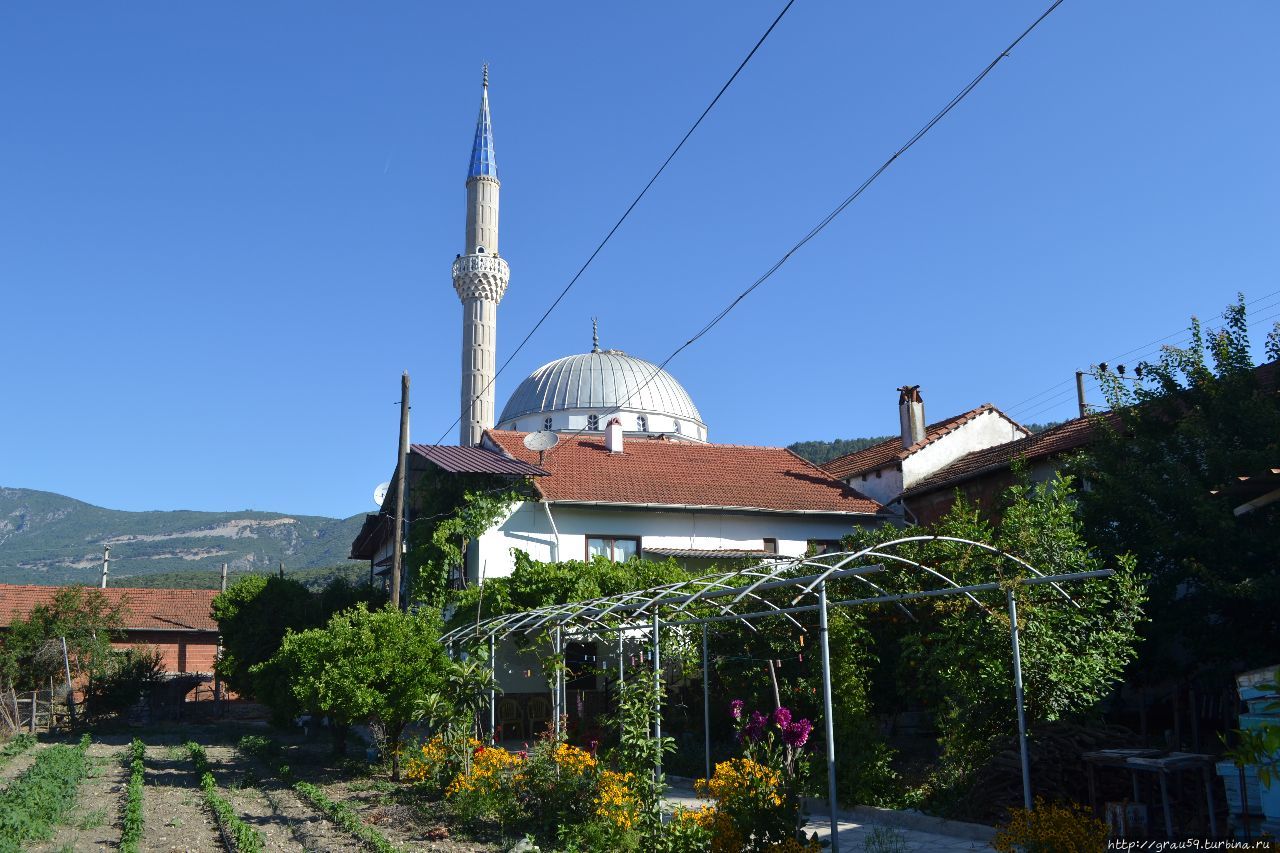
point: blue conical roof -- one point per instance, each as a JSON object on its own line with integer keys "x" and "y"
{"x": 483, "y": 162}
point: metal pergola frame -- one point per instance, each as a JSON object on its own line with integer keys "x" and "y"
{"x": 699, "y": 601}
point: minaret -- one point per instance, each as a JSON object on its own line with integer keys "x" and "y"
{"x": 480, "y": 276}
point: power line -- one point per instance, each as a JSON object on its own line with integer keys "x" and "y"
{"x": 625, "y": 214}
{"x": 840, "y": 208}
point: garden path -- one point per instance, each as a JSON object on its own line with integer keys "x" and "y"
{"x": 853, "y": 833}
{"x": 173, "y": 815}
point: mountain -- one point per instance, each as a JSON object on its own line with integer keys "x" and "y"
{"x": 46, "y": 538}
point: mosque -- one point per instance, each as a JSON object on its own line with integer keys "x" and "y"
{"x": 577, "y": 393}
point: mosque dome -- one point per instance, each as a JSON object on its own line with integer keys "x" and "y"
{"x": 583, "y": 392}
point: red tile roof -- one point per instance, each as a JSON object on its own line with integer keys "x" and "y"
{"x": 879, "y": 455}
{"x": 1060, "y": 439}
{"x": 686, "y": 474}
{"x": 145, "y": 609}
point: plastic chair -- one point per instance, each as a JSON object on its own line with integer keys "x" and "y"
{"x": 511, "y": 720}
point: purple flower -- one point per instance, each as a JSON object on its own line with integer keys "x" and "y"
{"x": 735, "y": 708}
{"x": 782, "y": 718}
{"x": 755, "y": 727}
{"x": 796, "y": 734}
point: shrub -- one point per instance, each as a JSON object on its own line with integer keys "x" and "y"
{"x": 247, "y": 839}
{"x": 34, "y": 803}
{"x": 1051, "y": 828}
{"x": 132, "y": 832}
{"x": 487, "y": 788}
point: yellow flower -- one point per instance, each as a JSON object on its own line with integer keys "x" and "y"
{"x": 615, "y": 801}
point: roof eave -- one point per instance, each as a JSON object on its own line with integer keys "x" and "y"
{"x": 842, "y": 513}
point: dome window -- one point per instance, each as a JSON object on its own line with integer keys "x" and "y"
{"x": 677, "y": 428}
{"x": 593, "y": 423}
{"x": 642, "y": 423}
{"x": 546, "y": 423}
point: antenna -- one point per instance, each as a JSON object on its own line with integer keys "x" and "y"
{"x": 541, "y": 441}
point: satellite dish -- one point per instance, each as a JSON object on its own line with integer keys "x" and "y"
{"x": 380, "y": 493}
{"x": 541, "y": 441}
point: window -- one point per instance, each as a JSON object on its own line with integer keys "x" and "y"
{"x": 677, "y": 427}
{"x": 771, "y": 545}
{"x": 642, "y": 423}
{"x": 619, "y": 549}
{"x": 593, "y": 422}
{"x": 823, "y": 546}
{"x": 546, "y": 423}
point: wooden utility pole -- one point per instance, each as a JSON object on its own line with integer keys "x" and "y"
{"x": 1084, "y": 407}
{"x": 217, "y": 655}
{"x": 402, "y": 465}
{"x": 106, "y": 562}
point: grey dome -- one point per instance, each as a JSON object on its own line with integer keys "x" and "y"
{"x": 609, "y": 379}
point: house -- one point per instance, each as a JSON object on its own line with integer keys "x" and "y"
{"x": 886, "y": 470}
{"x": 983, "y": 475}
{"x": 176, "y": 622}
{"x": 618, "y": 496}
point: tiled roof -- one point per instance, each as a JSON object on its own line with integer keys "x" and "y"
{"x": 879, "y": 455}
{"x": 145, "y": 609}
{"x": 686, "y": 474}
{"x": 1060, "y": 439}
{"x": 474, "y": 460}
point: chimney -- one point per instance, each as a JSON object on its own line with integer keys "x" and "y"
{"x": 613, "y": 435}
{"x": 911, "y": 414}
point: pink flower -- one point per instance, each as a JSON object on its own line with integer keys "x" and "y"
{"x": 782, "y": 718}
{"x": 735, "y": 708}
{"x": 755, "y": 728}
{"x": 796, "y": 734}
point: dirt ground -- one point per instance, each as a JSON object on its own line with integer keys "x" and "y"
{"x": 176, "y": 818}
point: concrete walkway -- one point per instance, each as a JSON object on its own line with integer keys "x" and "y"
{"x": 857, "y": 826}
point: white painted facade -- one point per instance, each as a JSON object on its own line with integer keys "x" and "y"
{"x": 552, "y": 532}
{"x": 986, "y": 429}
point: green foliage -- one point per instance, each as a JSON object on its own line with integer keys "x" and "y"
{"x": 819, "y": 452}
{"x": 246, "y": 838}
{"x": 124, "y": 676}
{"x": 885, "y": 839}
{"x": 253, "y": 616}
{"x": 131, "y": 835}
{"x": 534, "y": 584}
{"x": 638, "y": 752}
{"x": 1198, "y": 419}
{"x": 956, "y": 656}
{"x": 450, "y": 511}
{"x": 366, "y": 665}
{"x": 52, "y": 536}
{"x": 38, "y": 799}
{"x": 1261, "y": 746}
{"x": 354, "y": 573}
{"x": 268, "y": 750}
{"x": 15, "y": 747}
{"x": 344, "y": 816}
{"x": 31, "y": 648}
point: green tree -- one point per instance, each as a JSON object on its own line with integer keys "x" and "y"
{"x": 954, "y": 655}
{"x": 1199, "y": 417}
{"x": 256, "y": 612}
{"x": 364, "y": 665}
{"x": 31, "y": 648}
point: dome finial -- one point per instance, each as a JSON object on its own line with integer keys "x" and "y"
{"x": 595, "y": 335}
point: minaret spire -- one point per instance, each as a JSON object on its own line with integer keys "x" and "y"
{"x": 480, "y": 278}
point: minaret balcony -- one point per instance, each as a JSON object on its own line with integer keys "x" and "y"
{"x": 480, "y": 276}
{"x": 491, "y": 264}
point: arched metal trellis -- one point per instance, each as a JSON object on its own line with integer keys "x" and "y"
{"x": 751, "y": 594}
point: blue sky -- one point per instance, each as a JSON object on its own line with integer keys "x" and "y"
{"x": 226, "y": 228}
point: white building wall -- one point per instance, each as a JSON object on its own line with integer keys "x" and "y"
{"x": 986, "y": 430}
{"x": 882, "y": 488}
{"x": 529, "y": 529}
